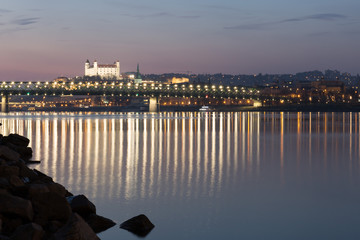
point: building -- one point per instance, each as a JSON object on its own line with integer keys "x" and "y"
{"x": 137, "y": 78}
{"x": 176, "y": 80}
{"x": 103, "y": 70}
{"x": 329, "y": 86}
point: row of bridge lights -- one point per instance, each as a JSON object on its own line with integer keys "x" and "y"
{"x": 137, "y": 85}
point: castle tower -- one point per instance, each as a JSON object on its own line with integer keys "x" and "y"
{"x": 87, "y": 67}
{"x": 95, "y": 67}
{"x": 138, "y": 78}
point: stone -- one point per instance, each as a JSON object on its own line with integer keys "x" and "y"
{"x": 25, "y": 152}
{"x": 43, "y": 177}
{"x": 139, "y": 225}
{"x": 13, "y": 205}
{"x": 57, "y": 188}
{"x": 26, "y": 172}
{"x": 81, "y": 205}
{"x": 7, "y": 171}
{"x": 15, "y": 181}
{"x": 35, "y": 189}
{"x": 10, "y": 224}
{"x": 30, "y": 231}
{"x": 4, "y": 182}
{"x": 18, "y": 140}
{"x": 9, "y": 154}
{"x": 99, "y": 223}
{"x": 54, "y": 226}
{"x": 50, "y": 206}
{"x": 75, "y": 229}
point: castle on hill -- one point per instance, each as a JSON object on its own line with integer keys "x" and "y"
{"x": 103, "y": 70}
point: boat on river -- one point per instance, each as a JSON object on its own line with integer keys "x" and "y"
{"x": 206, "y": 109}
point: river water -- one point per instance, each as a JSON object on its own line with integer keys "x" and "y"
{"x": 241, "y": 175}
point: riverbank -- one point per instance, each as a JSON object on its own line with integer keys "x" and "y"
{"x": 222, "y": 108}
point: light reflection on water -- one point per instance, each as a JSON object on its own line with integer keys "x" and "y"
{"x": 193, "y": 156}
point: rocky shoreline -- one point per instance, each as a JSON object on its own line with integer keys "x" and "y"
{"x": 33, "y": 206}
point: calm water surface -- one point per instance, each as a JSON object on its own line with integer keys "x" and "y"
{"x": 207, "y": 175}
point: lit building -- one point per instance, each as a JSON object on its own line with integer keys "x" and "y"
{"x": 138, "y": 78}
{"x": 175, "y": 80}
{"x": 103, "y": 70}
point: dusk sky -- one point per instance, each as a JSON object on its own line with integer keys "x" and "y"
{"x": 42, "y": 39}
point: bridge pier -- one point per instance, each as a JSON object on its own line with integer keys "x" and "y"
{"x": 154, "y": 104}
{"x": 257, "y": 103}
{"x": 5, "y": 104}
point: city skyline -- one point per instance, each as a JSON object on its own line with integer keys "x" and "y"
{"x": 42, "y": 40}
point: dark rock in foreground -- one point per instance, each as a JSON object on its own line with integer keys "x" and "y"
{"x": 81, "y": 205}
{"x": 139, "y": 225}
{"x": 75, "y": 229}
{"x": 99, "y": 223}
{"x": 34, "y": 207}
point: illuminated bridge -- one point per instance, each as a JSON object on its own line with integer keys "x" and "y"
{"x": 152, "y": 91}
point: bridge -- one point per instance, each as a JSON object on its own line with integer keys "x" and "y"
{"x": 154, "y": 91}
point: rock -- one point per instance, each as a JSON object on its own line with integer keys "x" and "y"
{"x": 4, "y": 183}
{"x": 57, "y": 188}
{"x": 18, "y": 140}
{"x": 30, "y": 231}
{"x": 50, "y": 206}
{"x": 54, "y": 226}
{"x": 26, "y": 172}
{"x": 10, "y": 224}
{"x": 35, "y": 189}
{"x": 25, "y": 152}
{"x": 99, "y": 223}
{"x": 13, "y": 205}
{"x": 139, "y": 225}
{"x": 81, "y": 205}
{"x": 43, "y": 177}
{"x": 75, "y": 229}
{"x": 9, "y": 154}
{"x": 7, "y": 171}
{"x": 15, "y": 181}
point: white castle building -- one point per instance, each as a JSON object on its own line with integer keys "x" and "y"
{"x": 103, "y": 70}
